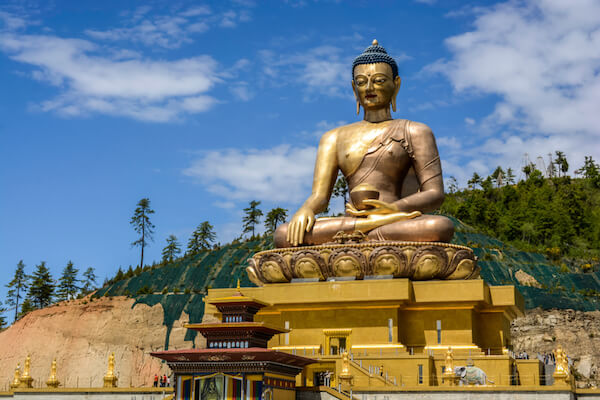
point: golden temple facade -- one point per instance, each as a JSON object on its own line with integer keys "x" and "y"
{"x": 397, "y": 332}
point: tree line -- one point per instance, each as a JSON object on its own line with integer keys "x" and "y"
{"x": 28, "y": 292}
{"x": 554, "y": 214}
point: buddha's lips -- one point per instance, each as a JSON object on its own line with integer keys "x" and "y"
{"x": 370, "y": 96}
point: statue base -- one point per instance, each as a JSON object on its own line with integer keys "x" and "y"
{"x": 413, "y": 260}
{"x": 110, "y": 381}
{"x": 26, "y": 382}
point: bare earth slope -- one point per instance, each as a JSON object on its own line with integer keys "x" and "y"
{"x": 81, "y": 334}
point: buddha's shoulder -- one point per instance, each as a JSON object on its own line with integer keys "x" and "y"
{"x": 415, "y": 128}
{"x": 339, "y": 132}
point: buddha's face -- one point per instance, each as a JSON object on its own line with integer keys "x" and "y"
{"x": 374, "y": 85}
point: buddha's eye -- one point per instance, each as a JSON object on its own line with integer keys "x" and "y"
{"x": 380, "y": 80}
{"x": 360, "y": 81}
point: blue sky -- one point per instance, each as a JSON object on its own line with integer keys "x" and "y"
{"x": 203, "y": 107}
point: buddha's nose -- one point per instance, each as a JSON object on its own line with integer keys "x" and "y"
{"x": 369, "y": 84}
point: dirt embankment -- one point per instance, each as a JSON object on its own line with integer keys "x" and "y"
{"x": 81, "y": 334}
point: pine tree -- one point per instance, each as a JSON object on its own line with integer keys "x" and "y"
{"x": 2, "y": 317}
{"x": 171, "y": 250}
{"x": 252, "y": 217}
{"x": 561, "y": 162}
{"x": 498, "y": 176}
{"x": 89, "y": 280}
{"x": 142, "y": 225}
{"x": 26, "y": 307}
{"x": 475, "y": 180}
{"x": 201, "y": 238}
{"x": 510, "y": 176}
{"x": 340, "y": 189}
{"x": 67, "y": 284}
{"x": 41, "y": 289}
{"x": 275, "y": 217}
{"x": 452, "y": 185}
{"x": 17, "y": 288}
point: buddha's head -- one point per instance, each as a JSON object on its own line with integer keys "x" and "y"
{"x": 375, "y": 79}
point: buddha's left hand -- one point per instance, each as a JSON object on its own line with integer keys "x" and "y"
{"x": 377, "y": 207}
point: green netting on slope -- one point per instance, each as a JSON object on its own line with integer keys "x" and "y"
{"x": 186, "y": 282}
{"x": 499, "y": 263}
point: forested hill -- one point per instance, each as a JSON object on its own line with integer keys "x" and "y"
{"x": 555, "y": 216}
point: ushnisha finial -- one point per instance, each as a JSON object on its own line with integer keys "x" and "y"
{"x": 375, "y": 42}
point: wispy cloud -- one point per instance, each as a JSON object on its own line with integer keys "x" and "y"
{"x": 541, "y": 59}
{"x": 169, "y": 30}
{"x": 90, "y": 81}
{"x": 322, "y": 70}
{"x": 280, "y": 174}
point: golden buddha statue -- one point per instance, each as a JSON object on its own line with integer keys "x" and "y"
{"x": 392, "y": 168}
{"x": 394, "y": 177}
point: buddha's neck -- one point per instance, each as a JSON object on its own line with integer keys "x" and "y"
{"x": 379, "y": 115}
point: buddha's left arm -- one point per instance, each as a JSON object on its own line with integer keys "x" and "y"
{"x": 428, "y": 168}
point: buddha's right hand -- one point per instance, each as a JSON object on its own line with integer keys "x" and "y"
{"x": 301, "y": 222}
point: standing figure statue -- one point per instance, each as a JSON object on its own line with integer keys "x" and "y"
{"x": 392, "y": 168}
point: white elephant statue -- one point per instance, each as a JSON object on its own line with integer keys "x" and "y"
{"x": 471, "y": 375}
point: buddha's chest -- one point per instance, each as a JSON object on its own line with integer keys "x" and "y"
{"x": 357, "y": 145}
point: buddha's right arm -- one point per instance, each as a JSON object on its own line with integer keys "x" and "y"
{"x": 326, "y": 169}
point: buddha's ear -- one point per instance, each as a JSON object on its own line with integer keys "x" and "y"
{"x": 397, "y": 83}
{"x": 356, "y": 97}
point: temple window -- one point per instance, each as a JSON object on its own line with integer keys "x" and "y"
{"x": 420, "y": 376}
{"x": 438, "y": 324}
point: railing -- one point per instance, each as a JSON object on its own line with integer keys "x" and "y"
{"x": 83, "y": 383}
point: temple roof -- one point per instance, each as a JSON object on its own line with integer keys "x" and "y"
{"x": 236, "y": 326}
{"x": 233, "y": 355}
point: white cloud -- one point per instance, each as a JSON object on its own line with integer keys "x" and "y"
{"x": 92, "y": 82}
{"x": 469, "y": 121}
{"x": 11, "y": 22}
{"x": 169, "y": 31}
{"x": 428, "y": 2}
{"x": 541, "y": 59}
{"x": 322, "y": 70}
{"x": 241, "y": 91}
{"x": 279, "y": 174}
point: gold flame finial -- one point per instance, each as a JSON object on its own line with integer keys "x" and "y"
{"x": 375, "y": 42}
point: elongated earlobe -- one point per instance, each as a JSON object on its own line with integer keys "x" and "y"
{"x": 397, "y": 83}
{"x": 357, "y": 107}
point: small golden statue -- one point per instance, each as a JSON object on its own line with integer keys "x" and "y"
{"x": 345, "y": 375}
{"x": 17, "y": 379}
{"x": 449, "y": 377}
{"x": 110, "y": 379}
{"x": 26, "y": 380}
{"x": 392, "y": 168}
{"x": 52, "y": 381}
{"x": 562, "y": 374}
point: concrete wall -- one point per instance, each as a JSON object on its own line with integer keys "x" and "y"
{"x": 94, "y": 394}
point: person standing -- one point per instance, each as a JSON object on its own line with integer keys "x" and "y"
{"x": 155, "y": 380}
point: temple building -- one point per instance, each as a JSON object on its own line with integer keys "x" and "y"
{"x": 236, "y": 363}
